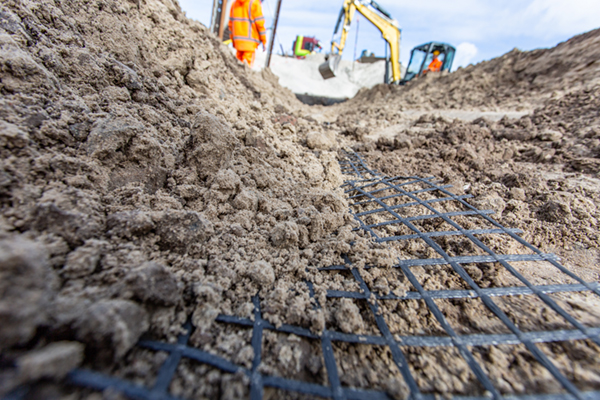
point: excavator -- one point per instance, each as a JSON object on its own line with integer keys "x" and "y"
{"x": 421, "y": 55}
{"x": 390, "y": 31}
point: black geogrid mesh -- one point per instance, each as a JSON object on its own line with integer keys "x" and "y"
{"x": 373, "y": 190}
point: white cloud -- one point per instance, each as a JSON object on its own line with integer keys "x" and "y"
{"x": 551, "y": 17}
{"x": 465, "y": 53}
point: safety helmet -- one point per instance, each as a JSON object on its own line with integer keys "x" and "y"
{"x": 436, "y": 52}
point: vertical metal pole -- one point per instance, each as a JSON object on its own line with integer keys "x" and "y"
{"x": 356, "y": 41}
{"x": 273, "y": 33}
{"x": 223, "y": 15}
{"x": 213, "y": 17}
{"x": 386, "y": 78}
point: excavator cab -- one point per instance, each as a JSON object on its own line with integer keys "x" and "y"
{"x": 421, "y": 56}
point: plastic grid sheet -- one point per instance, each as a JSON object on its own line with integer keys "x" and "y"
{"x": 366, "y": 190}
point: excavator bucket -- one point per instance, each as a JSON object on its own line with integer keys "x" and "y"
{"x": 329, "y": 67}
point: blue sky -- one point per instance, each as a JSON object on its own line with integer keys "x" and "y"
{"x": 480, "y": 29}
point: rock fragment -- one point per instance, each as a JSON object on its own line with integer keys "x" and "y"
{"x": 75, "y": 227}
{"x": 110, "y": 135}
{"x": 556, "y": 210}
{"x": 348, "y": 317}
{"x": 25, "y": 290}
{"x": 111, "y": 327}
{"x": 53, "y": 361}
{"x": 84, "y": 260}
{"x": 261, "y": 273}
{"x": 246, "y": 200}
{"x": 285, "y": 234}
{"x": 518, "y": 194}
{"x": 11, "y": 136}
{"x": 321, "y": 140}
{"x": 179, "y": 230}
{"x": 129, "y": 223}
{"x": 491, "y": 201}
{"x": 153, "y": 283}
{"x": 550, "y": 136}
{"x": 211, "y": 145}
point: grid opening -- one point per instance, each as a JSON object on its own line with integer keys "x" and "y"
{"x": 515, "y": 371}
{"x": 443, "y": 370}
{"x": 471, "y": 316}
{"x": 364, "y": 366}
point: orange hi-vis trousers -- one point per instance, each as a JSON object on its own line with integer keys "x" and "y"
{"x": 246, "y": 57}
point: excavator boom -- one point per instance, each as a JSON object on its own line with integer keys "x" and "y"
{"x": 382, "y": 20}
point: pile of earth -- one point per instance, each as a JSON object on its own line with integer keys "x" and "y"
{"x": 147, "y": 177}
{"x": 540, "y": 172}
{"x": 517, "y": 80}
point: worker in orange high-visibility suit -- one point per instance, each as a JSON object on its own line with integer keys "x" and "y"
{"x": 247, "y": 26}
{"x": 436, "y": 64}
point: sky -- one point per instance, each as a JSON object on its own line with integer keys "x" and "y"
{"x": 479, "y": 29}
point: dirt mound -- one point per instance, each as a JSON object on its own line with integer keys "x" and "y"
{"x": 516, "y": 80}
{"x": 145, "y": 176}
{"x": 541, "y": 172}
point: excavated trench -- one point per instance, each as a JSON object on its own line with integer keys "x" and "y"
{"x": 173, "y": 225}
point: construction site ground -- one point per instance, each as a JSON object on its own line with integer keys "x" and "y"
{"x": 153, "y": 189}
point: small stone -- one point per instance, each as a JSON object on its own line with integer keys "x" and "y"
{"x": 26, "y": 288}
{"x": 348, "y": 317}
{"x": 253, "y": 139}
{"x": 179, "y": 230}
{"x": 491, "y": 202}
{"x": 83, "y": 261}
{"x": 246, "y": 200}
{"x": 153, "y": 283}
{"x": 518, "y": 194}
{"x": 129, "y": 223}
{"x": 397, "y": 389}
{"x": 11, "y": 136}
{"x": 285, "y": 234}
{"x": 321, "y": 140}
{"x": 508, "y": 154}
{"x": 53, "y": 361}
{"x": 261, "y": 272}
{"x": 381, "y": 286}
{"x": 111, "y": 327}
{"x": 550, "y": 136}
{"x": 111, "y": 134}
{"x": 556, "y": 211}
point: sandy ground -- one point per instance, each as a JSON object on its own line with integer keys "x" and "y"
{"x": 146, "y": 177}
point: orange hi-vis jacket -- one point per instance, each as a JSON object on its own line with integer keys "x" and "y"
{"x": 247, "y": 25}
{"x": 436, "y": 65}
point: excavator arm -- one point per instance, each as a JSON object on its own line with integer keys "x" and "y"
{"x": 377, "y": 16}
{"x": 346, "y": 17}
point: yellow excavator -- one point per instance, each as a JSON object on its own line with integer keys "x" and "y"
{"x": 390, "y": 31}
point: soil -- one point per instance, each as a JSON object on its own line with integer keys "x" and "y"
{"x": 148, "y": 178}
